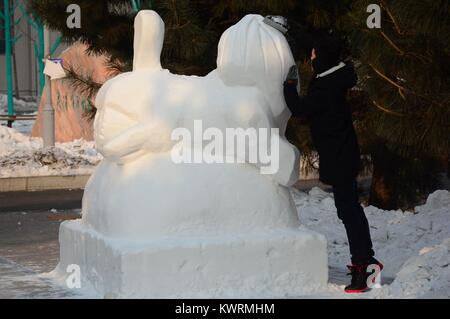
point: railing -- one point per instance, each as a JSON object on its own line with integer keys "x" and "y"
{"x": 12, "y": 118}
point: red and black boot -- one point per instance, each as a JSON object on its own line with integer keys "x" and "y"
{"x": 360, "y": 274}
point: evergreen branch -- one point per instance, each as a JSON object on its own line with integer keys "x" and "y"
{"x": 392, "y": 43}
{"x": 228, "y": 21}
{"x": 421, "y": 57}
{"x": 426, "y": 98}
{"x": 387, "y": 110}
{"x": 385, "y": 77}
{"x": 115, "y": 67}
{"x": 85, "y": 86}
{"x": 418, "y": 56}
{"x": 179, "y": 26}
{"x": 402, "y": 89}
{"x": 175, "y": 12}
{"x": 425, "y": 133}
{"x": 403, "y": 96}
{"x": 391, "y": 16}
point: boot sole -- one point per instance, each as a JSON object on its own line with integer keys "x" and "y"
{"x": 356, "y": 291}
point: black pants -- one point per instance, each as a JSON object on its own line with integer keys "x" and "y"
{"x": 351, "y": 213}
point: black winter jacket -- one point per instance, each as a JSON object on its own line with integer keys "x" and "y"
{"x": 331, "y": 125}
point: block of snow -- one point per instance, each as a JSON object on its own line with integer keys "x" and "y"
{"x": 288, "y": 263}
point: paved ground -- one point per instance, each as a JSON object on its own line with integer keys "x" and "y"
{"x": 69, "y": 199}
{"x": 19, "y": 282}
{"x": 27, "y": 201}
{"x": 28, "y": 247}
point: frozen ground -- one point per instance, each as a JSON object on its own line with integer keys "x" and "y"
{"x": 28, "y": 247}
{"x": 21, "y": 155}
{"x": 24, "y": 106}
{"x": 24, "y": 126}
{"x": 414, "y": 246}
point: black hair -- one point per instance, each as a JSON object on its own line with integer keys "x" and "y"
{"x": 329, "y": 49}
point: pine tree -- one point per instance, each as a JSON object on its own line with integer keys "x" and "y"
{"x": 405, "y": 72}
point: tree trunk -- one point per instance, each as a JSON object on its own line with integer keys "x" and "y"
{"x": 448, "y": 166}
{"x": 383, "y": 192}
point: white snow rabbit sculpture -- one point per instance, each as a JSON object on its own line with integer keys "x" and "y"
{"x": 139, "y": 192}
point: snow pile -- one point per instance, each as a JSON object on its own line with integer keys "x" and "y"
{"x": 426, "y": 275}
{"x": 21, "y": 155}
{"x": 11, "y": 140}
{"x": 414, "y": 246}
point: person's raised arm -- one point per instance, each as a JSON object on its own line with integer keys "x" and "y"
{"x": 302, "y": 106}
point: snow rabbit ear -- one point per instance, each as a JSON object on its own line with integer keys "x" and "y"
{"x": 148, "y": 40}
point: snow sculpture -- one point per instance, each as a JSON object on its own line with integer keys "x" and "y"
{"x": 152, "y": 227}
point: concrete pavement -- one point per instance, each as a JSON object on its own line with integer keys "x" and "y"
{"x": 45, "y": 200}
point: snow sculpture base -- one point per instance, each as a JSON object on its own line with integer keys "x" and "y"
{"x": 288, "y": 263}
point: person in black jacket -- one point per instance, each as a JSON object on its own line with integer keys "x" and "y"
{"x": 334, "y": 138}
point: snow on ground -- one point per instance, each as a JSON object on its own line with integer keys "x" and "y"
{"x": 25, "y": 126}
{"x": 25, "y": 104}
{"x": 21, "y": 155}
{"x": 414, "y": 246}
